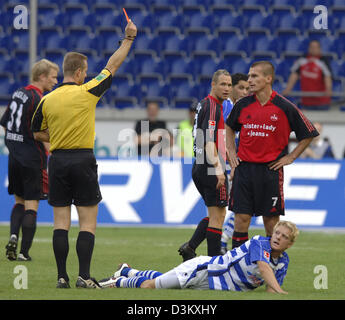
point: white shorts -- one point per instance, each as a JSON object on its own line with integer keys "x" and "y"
{"x": 185, "y": 276}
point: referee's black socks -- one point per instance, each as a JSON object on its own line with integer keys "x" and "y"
{"x": 238, "y": 238}
{"x": 28, "y": 231}
{"x": 85, "y": 244}
{"x": 17, "y": 215}
{"x": 61, "y": 248}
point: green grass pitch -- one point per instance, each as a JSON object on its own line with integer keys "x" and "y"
{"x": 156, "y": 248}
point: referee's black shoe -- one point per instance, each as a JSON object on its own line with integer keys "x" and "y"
{"x": 90, "y": 283}
{"x": 62, "y": 284}
{"x": 186, "y": 252}
{"x": 11, "y": 248}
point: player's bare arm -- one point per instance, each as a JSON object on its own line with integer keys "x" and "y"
{"x": 121, "y": 53}
{"x": 292, "y": 156}
{"x": 231, "y": 147}
{"x": 212, "y": 156}
{"x": 269, "y": 277}
{"x": 42, "y": 136}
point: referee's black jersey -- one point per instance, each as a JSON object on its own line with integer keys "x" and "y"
{"x": 17, "y": 122}
{"x": 265, "y": 129}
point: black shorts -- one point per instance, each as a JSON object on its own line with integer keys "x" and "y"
{"x": 257, "y": 190}
{"x": 27, "y": 182}
{"x": 206, "y": 183}
{"x": 73, "y": 178}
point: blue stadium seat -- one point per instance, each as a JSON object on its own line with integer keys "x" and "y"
{"x": 267, "y": 44}
{"x": 263, "y": 55}
{"x": 109, "y": 38}
{"x": 144, "y": 41}
{"x": 55, "y": 55}
{"x": 75, "y": 14}
{"x": 124, "y": 102}
{"x": 207, "y": 43}
{"x": 150, "y": 79}
{"x": 157, "y": 90}
{"x": 174, "y": 43}
{"x": 247, "y": 12}
{"x": 184, "y": 103}
{"x": 6, "y": 82}
{"x": 176, "y": 80}
{"x": 144, "y": 21}
{"x": 204, "y": 84}
{"x": 75, "y": 34}
{"x": 5, "y": 61}
{"x": 186, "y": 91}
{"x": 162, "y": 10}
{"x": 143, "y": 57}
{"x": 105, "y": 17}
{"x": 218, "y": 11}
{"x": 252, "y": 36}
{"x": 228, "y": 37}
{"x": 200, "y": 20}
{"x": 338, "y": 84}
{"x": 180, "y": 66}
{"x": 170, "y": 20}
{"x": 95, "y": 64}
{"x": 209, "y": 67}
{"x": 260, "y": 21}
{"x": 21, "y": 57}
{"x": 20, "y": 38}
{"x": 297, "y": 44}
{"x": 232, "y": 21}
{"x": 47, "y": 33}
{"x": 278, "y": 84}
{"x": 231, "y": 59}
{"x": 194, "y": 34}
{"x": 202, "y": 57}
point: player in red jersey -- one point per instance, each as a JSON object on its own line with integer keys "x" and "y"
{"x": 265, "y": 120}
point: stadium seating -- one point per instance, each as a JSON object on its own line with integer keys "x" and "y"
{"x": 185, "y": 40}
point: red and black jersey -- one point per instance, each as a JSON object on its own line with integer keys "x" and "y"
{"x": 17, "y": 122}
{"x": 312, "y": 71}
{"x": 209, "y": 126}
{"x": 265, "y": 130}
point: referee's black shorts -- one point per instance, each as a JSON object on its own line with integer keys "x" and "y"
{"x": 27, "y": 182}
{"x": 257, "y": 190}
{"x": 73, "y": 178}
{"x": 206, "y": 182}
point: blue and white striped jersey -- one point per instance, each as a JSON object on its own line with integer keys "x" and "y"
{"x": 237, "y": 270}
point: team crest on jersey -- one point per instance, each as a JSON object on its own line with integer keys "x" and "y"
{"x": 274, "y": 117}
{"x": 212, "y": 124}
{"x": 267, "y": 255}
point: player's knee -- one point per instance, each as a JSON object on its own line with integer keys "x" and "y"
{"x": 148, "y": 284}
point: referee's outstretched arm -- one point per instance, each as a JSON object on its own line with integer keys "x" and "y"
{"x": 121, "y": 53}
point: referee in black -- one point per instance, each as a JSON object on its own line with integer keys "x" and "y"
{"x": 66, "y": 118}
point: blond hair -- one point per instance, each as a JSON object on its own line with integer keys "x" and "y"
{"x": 218, "y": 73}
{"x": 294, "y": 232}
{"x": 72, "y": 62}
{"x": 42, "y": 67}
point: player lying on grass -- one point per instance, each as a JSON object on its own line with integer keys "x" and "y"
{"x": 258, "y": 261}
